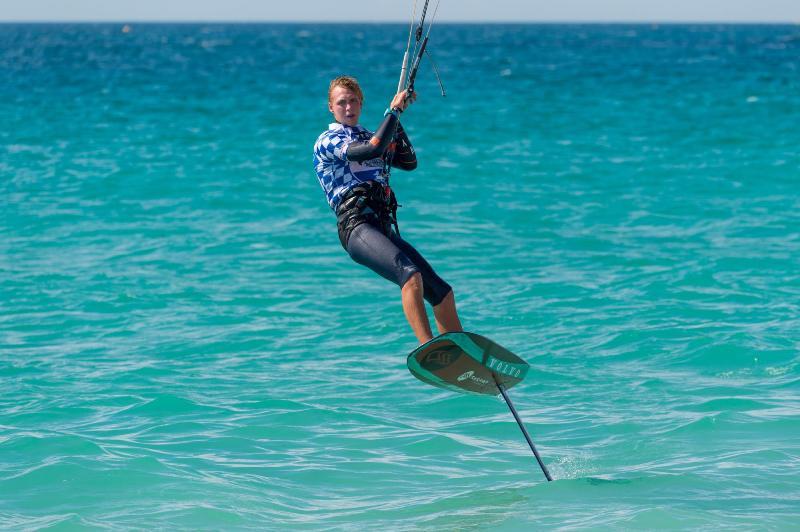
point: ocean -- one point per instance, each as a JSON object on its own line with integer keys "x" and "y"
{"x": 184, "y": 344}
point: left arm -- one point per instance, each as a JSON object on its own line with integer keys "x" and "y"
{"x": 404, "y": 156}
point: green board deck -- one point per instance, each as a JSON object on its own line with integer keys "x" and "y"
{"x": 467, "y": 363}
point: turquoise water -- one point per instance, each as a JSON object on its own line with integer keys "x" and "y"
{"x": 185, "y": 345}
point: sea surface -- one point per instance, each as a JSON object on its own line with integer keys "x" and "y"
{"x": 184, "y": 345}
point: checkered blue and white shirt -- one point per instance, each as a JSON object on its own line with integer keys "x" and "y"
{"x": 335, "y": 173}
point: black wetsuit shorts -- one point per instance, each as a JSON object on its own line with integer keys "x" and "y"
{"x": 367, "y": 236}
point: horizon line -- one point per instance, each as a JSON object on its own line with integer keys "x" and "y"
{"x": 443, "y": 22}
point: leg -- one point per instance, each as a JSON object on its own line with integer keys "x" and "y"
{"x": 446, "y": 315}
{"x": 436, "y": 290}
{"x": 414, "y": 308}
{"x": 370, "y": 247}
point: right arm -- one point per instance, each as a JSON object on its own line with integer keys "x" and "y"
{"x": 362, "y": 151}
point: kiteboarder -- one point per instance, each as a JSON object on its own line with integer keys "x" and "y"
{"x": 352, "y": 165}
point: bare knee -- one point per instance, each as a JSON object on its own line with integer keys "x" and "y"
{"x": 414, "y": 283}
{"x": 446, "y": 314}
{"x": 448, "y": 299}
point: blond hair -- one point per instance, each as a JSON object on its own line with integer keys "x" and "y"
{"x": 348, "y": 82}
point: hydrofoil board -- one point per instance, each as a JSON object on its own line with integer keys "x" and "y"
{"x": 468, "y": 363}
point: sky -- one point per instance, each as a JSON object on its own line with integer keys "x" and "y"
{"x": 787, "y": 11}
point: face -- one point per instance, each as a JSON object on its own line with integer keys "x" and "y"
{"x": 345, "y": 106}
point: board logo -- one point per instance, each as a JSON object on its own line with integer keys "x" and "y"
{"x": 503, "y": 367}
{"x": 470, "y": 375}
{"x": 440, "y": 358}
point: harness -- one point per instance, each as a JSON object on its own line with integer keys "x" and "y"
{"x": 369, "y": 202}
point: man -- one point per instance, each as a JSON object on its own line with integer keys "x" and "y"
{"x": 352, "y": 165}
